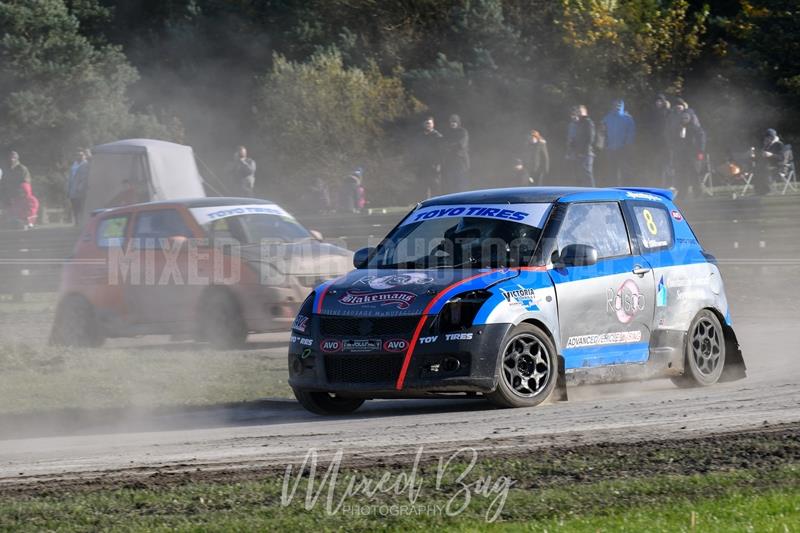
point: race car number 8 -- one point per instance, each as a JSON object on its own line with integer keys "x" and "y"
{"x": 651, "y": 224}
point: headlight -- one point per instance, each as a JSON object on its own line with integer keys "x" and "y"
{"x": 459, "y": 311}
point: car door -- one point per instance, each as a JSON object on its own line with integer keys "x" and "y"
{"x": 159, "y": 291}
{"x": 105, "y": 268}
{"x": 605, "y": 310}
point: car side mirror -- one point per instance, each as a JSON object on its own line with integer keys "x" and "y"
{"x": 577, "y": 255}
{"x": 361, "y": 256}
{"x": 316, "y": 234}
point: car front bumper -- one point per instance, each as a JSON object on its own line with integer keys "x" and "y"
{"x": 464, "y": 362}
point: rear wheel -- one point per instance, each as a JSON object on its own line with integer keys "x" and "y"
{"x": 704, "y": 353}
{"x": 76, "y": 324}
{"x": 221, "y": 322}
{"x": 326, "y": 403}
{"x": 529, "y": 368}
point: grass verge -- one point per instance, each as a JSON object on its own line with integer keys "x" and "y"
{"x": 732, "y": 501}
{"x": 727, "y": 483}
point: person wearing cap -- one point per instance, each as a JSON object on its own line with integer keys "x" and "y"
{"x": 770, "y": 157}
{"x": 455, "y": 159}
{"x": 620, "y": 130}
{"x": 580, "y": 145}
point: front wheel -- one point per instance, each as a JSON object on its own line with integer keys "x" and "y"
{"x": 326, "y": 403}
{"x": 704, "y": 353}
{"x": 529, "y": 368}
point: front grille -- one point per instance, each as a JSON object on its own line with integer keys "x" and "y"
{"x": 346, "y": 326}
{"x": 363, "y": 368}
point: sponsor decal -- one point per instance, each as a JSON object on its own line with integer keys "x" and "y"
{"x": 302, "y": 341}
{"x": 683, "y": 281}
{"x": 677, "y": 215}
{"x": 361, "y": 345}
{"x": 330, "y": 345}
{"x": 204, "y": 215}
{"x": 643, "y": 196}
{"x": 652, "y": 243}
{"x": 625, "y": 302}
{"x": 661, "y": 293}
{"x": 691, "y": 294}
{"x": 395, "y": 280}
{"x": 300, "y": 323}
{"x": 399, "y": 299}
{"x": 531, "y": 214}
{"x": 306, "y": 353}
{"x": 621, "y": 337}
{"x": 458, "y": 337}
{"x": 395, "y": 345}
{"x": 522, "y": 296}
{"x": 428, "y": 340}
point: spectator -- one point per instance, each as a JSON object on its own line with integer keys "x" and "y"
{"x": 580, "y": 143}
{"x": 350, "y": 197}
{"x": 16, "y": 175}
{"x": 25, "y": 206}
{"x": 429, "y": 158}
{"x": 678, "y": 108}
{"x": 77, "y": 184}
{"x": 688, "y": 152}
{"x": 538, "y": 159}
{"x": 620, "y": 131}
{"x": 455, "y": 163}
{"x": 769, "y": 159}
{"x": 243, "y": 173}
{"x": 656, "y": 152}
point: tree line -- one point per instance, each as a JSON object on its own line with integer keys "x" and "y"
{"x": 317, "y": 87}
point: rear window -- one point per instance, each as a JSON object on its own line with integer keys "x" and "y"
{"x": 111, "y": 231}
{"x": 655, "y": 226}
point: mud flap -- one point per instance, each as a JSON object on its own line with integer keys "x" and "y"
{"x": 735, "y": 368}
{"x": 560, "y": 392}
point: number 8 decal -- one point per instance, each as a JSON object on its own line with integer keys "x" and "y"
{"x": 651, "y": 224}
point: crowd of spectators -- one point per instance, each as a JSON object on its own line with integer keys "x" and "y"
{"x": 670, "y": 135}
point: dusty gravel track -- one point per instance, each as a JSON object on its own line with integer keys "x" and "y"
{"x": 761, "y": 285}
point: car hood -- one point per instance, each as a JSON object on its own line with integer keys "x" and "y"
{"x": 314, "y": 260}
{"x": 401, "y": 292}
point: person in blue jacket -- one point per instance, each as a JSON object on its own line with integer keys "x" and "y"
{"x": 620, "y": 132}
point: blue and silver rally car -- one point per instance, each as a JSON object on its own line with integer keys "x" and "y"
{"x": 505, "y": 293}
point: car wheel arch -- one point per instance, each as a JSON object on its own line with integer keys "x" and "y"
{"x": 734, "y": 361}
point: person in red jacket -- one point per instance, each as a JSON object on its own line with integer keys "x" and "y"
{"x": 25, "y": 206}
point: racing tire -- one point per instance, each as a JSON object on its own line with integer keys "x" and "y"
{"x": 528, "y": 368}
{"x": 326, "y": 403}
{"x": 221, "y": 323}
{"x": 704, "y": 352}
{"x": 76, "y": 324}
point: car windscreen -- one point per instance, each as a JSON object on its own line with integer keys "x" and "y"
{"x": 463, "y": 236}
{"x": 251, "y": 224}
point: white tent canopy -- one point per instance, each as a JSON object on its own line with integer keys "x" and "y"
{"x": 141, "y": 170}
